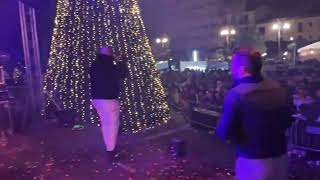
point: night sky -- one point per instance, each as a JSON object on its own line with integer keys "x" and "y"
{"x": 152, "y": 12}
{"x": 10, "y": 35}
{"x": 291, "y": 7}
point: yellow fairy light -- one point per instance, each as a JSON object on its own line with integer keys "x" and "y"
{"x": 81, "y": 27}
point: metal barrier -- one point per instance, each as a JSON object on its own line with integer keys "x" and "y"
{"x": 302, "y": 134}
{"x": 305, "y": 135}
{"x": 194, "y": 113}
{"x": 205, "y": 118}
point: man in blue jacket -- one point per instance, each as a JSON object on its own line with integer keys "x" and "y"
{"x": 255, "y": 117}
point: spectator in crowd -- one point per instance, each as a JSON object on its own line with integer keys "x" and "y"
{"x": 301, "y": 97}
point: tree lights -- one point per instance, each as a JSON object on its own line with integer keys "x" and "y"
{"x": 81, "y": 27}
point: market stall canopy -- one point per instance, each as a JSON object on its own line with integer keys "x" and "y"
{"x": 314, "y": 46}
{"x": 310, "y": 52}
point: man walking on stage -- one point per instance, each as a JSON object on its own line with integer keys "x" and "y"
{"x": 255, "y": 117}
{"x": 106, "y": 76}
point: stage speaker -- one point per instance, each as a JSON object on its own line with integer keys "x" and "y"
{"x": 66, "y": 118}
{"x": 178, "y": 148}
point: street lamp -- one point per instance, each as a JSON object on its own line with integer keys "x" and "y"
{"x": 286, "y": 26}
{"x": 264, "y": 54}
{"x": 162, "y": 40}
{"x": 165, "y": 40}
{"x": 227, "y": 32}
{"x": 280, "y": 26}
{"x": 162, "y": 50}
{"x": 293, "y": 45}
{"x": 233, "y": 32}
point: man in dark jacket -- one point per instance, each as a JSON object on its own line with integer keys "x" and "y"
{"x": 255, "y": 117}
{"x": 106, "y": 76}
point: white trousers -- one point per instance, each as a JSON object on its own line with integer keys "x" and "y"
{"x": 262, "y": 169}
{"x": 109, "y": 111}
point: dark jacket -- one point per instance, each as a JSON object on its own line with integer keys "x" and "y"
{"x": 106, "y": 77}
{"x": 255, "y": 117}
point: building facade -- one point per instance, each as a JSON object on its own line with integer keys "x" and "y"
{"x": 307, "y": 28}
{"x": 247, "y": 20}
{"x": 195, "y": 25}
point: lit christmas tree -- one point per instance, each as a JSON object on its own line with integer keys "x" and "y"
{"x": 81, "y": 27}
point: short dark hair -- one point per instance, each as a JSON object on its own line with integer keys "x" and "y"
{"x": 251, "y": 59}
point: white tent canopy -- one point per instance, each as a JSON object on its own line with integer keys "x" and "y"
{"x": 310, "y": 52}
{"x": 314, "y": 46}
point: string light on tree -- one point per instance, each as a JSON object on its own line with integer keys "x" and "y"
{"x": 81, "y": 27}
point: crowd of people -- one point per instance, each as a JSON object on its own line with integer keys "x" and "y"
{"x": 303, "y": 84}
{"x": 207, "y": 89}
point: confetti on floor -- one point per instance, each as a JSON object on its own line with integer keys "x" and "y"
{"x": 66, "y": 155}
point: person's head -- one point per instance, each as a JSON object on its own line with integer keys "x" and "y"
{"x": 106, "y": 50}
{"x": 301, "y": 91}
{"x": 246, "y": 62}
{"x": 219, "y": 83}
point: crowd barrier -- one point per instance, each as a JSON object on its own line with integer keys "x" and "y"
{"x": 204, "y": 118}
{"x": 302, "y": 134}
{"x": 305, "y": 135}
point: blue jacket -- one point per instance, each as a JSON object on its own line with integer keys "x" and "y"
{"x": 255, "y": 117}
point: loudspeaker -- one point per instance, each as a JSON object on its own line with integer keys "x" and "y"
{"x": 178, "y": 148}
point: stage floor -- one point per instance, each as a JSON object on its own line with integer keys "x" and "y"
{"x": 53, "y": 153}
{"x": 63, "y": 154}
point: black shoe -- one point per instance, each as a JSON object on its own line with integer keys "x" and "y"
{"x": 110, "y": 156}
{"x": 114, "y": 156}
